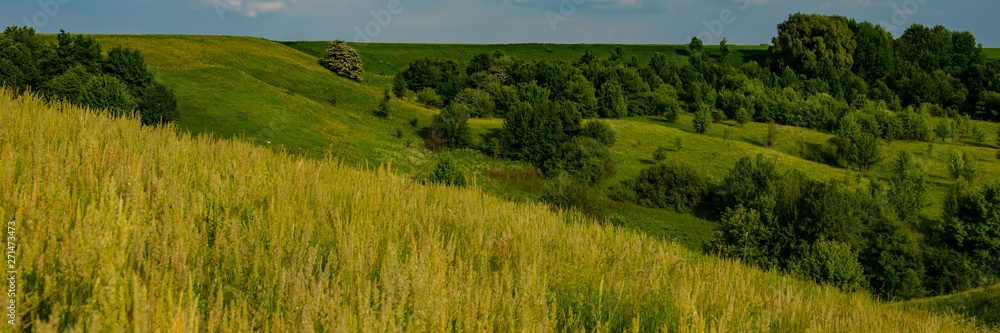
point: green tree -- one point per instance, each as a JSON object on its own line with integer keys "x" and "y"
{"x": 805, "y": 40}
{"x": 68, "y": 85}
{"x": 971, "y": 226}
{"x": 479, "y": 102}
{"x": 453, "y": 125}
{"x": 908, "y": 186}
{"x": 383, "y": 108}
{"x": 107, "y": 92}
{"x": 742, "y": 116}
{"x": 611, "y": 103}
{"x": 962, "y": 165}
{"x": 702, "y": 119}
{"x": 695, "y": 47}
{"x": 864, "y": 151}
{"x": 743, "y": 234}
{"x": 343, "y": 60}
{"x": 586, "y": 159}
{"x": 129, "y": 66}
{"x": 724, "y": 51}
{"x": 158, "y": 105}
{"x": 665, "y": 102}
{"x": 399, "y": 86}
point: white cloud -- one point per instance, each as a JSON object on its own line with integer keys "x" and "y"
{"x": 250, "y": 9}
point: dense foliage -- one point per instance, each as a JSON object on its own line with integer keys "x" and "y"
{"x": 74, "y": 70}
{"x": 343, "y": 60}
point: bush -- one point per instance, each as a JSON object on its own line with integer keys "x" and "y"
{"x": 831, "y": 262}
{"x": 586, "y": 159}
{"x": 399, "y": 86}
{"x": 343, "y": 60}
{"x": 744, "y": 235}
{"x": 701, "y": 121}
{"x": 429, "y": 97}
{"x": 600, "y": 131}
{"x": 447, "y": 173}
{"x": 671, "y": 184}
{"x": 660, "y": 153}
{"x": 564, "y": 191}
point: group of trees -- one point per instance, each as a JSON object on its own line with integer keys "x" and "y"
{"x": 864, "y": 239}
{"x": 75, "y": 70}
{"x": 828, "y": 73}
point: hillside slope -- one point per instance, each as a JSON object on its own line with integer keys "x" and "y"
{"x": 128, "y": 227}
{"x": 270, "y": 94}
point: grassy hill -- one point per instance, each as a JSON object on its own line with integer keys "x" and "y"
{"x": 267, "y": 91}
{"x": 124, "y": 227}
{"x": 983, "y": 304}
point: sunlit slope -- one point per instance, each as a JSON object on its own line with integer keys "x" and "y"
{"x": 267, "y": 92}
{"x": 982, "y": 303}
{"x": 128, "y": 227}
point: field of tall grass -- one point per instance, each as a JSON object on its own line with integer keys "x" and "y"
{"x": 122, "y": 227}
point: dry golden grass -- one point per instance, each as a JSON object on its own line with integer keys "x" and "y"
{"x": 130, "y": 228}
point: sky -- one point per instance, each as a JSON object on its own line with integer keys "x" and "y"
{"x": 743, "y": 22}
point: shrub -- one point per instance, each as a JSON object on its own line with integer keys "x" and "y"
{"x": 660, "y": 154}
{"x": 701, "y": 121}
{"x": 399, "y": 86}
{"x": 343, "y": 60}
{"x": 446, "y": 172}
{"x": 586, "y": 159}
{"x": 831, "y": 262}
{"x": 945, "y": 129}
{"x": 743, "y": 234}
{"x": 564, "y": 191}
{"x": 671, "y": 184}
{"x": 600, "y": 131}
{"x": 429, "y": 97}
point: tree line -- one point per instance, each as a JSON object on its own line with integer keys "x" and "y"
{"x": 75, "y": 69}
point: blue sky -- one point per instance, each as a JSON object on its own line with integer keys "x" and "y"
{"x": 487, "y": 21}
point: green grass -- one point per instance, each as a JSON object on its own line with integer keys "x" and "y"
{"x": 992, "y": 53}
{"x": 123, "y": 227}
{"x": 982, "y": 304}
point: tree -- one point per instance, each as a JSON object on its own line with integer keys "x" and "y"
{"x": 586, "y": 159}
{"x": 908, "y": 186}
{"x": 452, "y": 125}
{"x": 972, "y": 226}
{"x": 479, "y": 102}
{"x": 382, "y": 111}
{"x": 742, "y": 116}
{"x": 343, "y": 60}
{"x": 447, "y": 173}
{"x": 158, "y": 105}
{"x": 129, "y": 66}
{"x": 107, "y": 92}
{"x": 945, "y": 129}
{"x": 864, "y": 151}
{"x": 702, "y": 119}
{"x": 745, "y": 235}
{"x": 611, "y": 103}
{"x": 724, "y": 51}
{"x": 399, "y": 86}
{"x": 962, "y": 165}
{"x": 804, "y": 41}
{"x": 68, "y": 85}
{"x": 664, "y": 102}
{"x": 696, "y": 47}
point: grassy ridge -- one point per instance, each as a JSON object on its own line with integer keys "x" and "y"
{"x": 125, "y": 227}
{"x": 983, "y": 304}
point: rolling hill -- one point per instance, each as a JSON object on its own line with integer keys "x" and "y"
{"x": 126, "y": 227}
{"x": 275, "y": 95}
